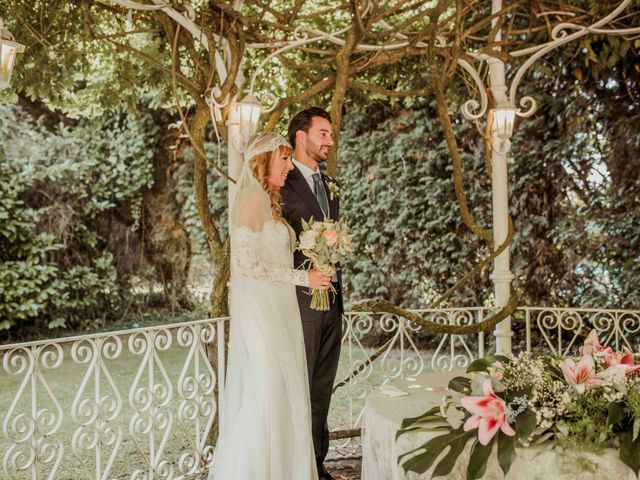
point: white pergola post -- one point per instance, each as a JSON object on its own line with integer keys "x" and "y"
{"x": 501, "y": 275}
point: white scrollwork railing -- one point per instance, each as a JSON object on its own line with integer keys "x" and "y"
{"x": 139, "y": 404}
{"x": 398, "y": 355}
{"x": 135, "y": 404}
{"x": 562, "y": 330}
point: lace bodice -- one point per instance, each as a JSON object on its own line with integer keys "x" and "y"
{"x": 265, "y": 255}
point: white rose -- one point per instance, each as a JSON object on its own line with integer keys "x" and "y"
{"x": 307, "y": 240}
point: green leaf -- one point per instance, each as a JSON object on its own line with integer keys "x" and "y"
{"x": 438, "y": 428}
{"x": 506, "y": 451}
{"x": 447, "y": 463}
{"x": 428, "y": 416}
{"x": 616, "y": 413}
{"x": 432, "y": 449}
{"x": 478, "y": 459}
{"x": 482, "y": 364}
{"x": 630, "y": 451}
{"x": 460, "y": 384}
{"x": 525, "y": 425}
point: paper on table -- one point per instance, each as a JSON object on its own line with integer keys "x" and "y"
{"x": 392, "y": 391}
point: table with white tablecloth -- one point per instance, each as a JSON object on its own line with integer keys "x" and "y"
{"x": 383, "y": 415}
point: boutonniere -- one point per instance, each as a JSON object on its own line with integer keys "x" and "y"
{"x": 334, "y": 190}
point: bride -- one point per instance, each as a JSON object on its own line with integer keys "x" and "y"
{"x": 265, "y": 427}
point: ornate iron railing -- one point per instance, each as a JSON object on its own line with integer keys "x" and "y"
{"x": 560, "y": 330}
{"x": 139, "y": 404}
{"x": 135, "y": 404}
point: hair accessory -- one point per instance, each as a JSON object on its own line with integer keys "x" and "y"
{"x": 264, "y": 142}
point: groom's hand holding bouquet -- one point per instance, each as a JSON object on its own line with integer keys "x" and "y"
{"x": 325, "y": 244}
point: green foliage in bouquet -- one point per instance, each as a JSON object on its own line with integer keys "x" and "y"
{"x": 583, "y": 404}
{"x": 325, "y": 244}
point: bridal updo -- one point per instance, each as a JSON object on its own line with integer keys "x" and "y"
{"x": 259, "y": 165}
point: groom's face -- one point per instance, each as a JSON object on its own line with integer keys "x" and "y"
{"x": 318, "y": 139}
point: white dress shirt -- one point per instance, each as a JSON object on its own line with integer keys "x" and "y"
{"x": 306, "y": 173}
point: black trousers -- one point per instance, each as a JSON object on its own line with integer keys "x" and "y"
{"x": 322, "y": 339}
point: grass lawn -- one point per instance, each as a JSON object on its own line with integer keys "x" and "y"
{"x": 65, "y": 382}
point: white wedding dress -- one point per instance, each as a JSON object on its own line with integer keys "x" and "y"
{"x": 265, "y": 427}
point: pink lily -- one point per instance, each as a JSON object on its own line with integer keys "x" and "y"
{"x": 626, "y": 361}
{"x": 581, "y": 376}
{"x": 488, "y": 414}
{"x": 592, "y": 344}
{"x": 611, "y": 358}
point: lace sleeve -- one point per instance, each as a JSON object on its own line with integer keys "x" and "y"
{"x": 246, "y": 262}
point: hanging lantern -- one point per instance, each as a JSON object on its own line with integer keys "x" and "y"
{"x": 503, "y": 120}
{"x": 9, "y": 48}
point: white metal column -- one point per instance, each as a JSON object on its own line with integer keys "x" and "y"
{"x": 501, "y": 275}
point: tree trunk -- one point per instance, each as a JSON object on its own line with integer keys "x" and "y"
{"x": 166, "y": 242}
{"x": 219, "y": 252}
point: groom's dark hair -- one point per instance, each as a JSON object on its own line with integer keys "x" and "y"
{"x": 302, "y": 121}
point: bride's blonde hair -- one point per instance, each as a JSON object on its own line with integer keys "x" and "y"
{"x": 259, "y": 165}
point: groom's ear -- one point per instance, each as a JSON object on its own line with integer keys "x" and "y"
{"x": 301, "y": 137}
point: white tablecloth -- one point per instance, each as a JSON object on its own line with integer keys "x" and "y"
{"x": 380, "y": 451}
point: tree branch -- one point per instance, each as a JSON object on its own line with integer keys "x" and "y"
{"x": 184, "y": 82}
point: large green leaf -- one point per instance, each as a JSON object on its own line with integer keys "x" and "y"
{"x": 447, "y": 463}
{"x": 437, "y": 428}
{"x": 630, "y": 451}
{"x": 525, "y": 425}
{"x": 421, "y": 462}
{"x": 432, "y": 415}
{"x": 478, "y": 459}
{"x": 616, "y": 413}
{"x": 506, "y": 451}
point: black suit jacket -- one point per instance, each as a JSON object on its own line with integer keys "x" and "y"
{"x": 299, "y": 203}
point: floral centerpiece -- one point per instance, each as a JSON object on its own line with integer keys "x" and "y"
{"x": 586, "y": 403}
{"x": 325, "y": 244}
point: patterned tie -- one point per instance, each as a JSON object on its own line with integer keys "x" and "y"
{"x": 321, "y": 194}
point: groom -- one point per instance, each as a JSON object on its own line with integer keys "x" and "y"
{"x": 309, "y": 193}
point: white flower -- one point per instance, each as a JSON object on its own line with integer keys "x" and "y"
{"x": 308, "y": 239}
{"x": 614, "y": 375}
{"x": 334, "y": 190}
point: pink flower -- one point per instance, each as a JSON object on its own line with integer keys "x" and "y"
{"x": 592, "y": 344}
{"x": 488, "y": 414}
{"x": 581, "y": 376}
{"x": 330, "y": 237}
{"x": 611, "y": 358}
{"x": 626, "y": 361}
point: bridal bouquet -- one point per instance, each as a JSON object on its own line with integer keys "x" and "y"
{"x": 583, "y": 404}
{"x": 324, "y": 244}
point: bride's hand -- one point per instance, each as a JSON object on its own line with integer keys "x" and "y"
{"x": 317, "y": 280}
